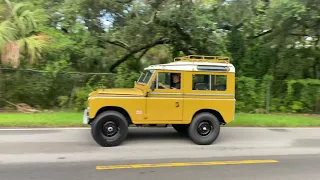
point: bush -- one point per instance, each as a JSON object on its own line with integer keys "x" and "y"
{"x": 294, "y": 96}
{"x": 303, "y": 95}
{"x": 51, "y": 90}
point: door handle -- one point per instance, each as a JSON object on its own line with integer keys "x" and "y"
{"x": 177, "y": 104}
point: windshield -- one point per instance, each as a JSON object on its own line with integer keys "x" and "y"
{"x": 145, "y": 76}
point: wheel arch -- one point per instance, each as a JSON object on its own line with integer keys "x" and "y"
{"x": 113, "y": 108}
{"x": 213, "y": 112}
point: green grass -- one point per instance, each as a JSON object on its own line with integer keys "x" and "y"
{"x": 56, "y": 119}
{"x": 73, "y": 119}
{"x": 275, "y": 120}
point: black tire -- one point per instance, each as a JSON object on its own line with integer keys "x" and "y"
{"x": 204, "y": 136}
{"x": 181, "y": 128}
{"x": 112, "y": 124}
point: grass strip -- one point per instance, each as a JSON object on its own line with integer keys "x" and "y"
{"x": 74, "y": 119}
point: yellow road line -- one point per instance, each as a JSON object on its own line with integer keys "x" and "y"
{"x": 181, "y": 164}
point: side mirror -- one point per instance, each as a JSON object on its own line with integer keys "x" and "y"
{"x": 153, "y": 85}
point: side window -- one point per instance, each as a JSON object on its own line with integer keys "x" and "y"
{"x": 219, "y": 83}
{"x": 163, "y": 79}
{"x": 200, "y": 82}
{"x": 209, "y": 82}
{"x": 168, "y": 80}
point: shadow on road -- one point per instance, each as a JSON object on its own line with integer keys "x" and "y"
{"x": 156, "y": 136}
{"x": 167, "y": 136}
{"x": 160, "y": 135}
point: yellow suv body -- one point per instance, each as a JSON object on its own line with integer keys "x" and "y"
{"x": 194, "y": 94}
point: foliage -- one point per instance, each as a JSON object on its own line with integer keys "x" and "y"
{"x": 302, "y": 95}
{"x": 274, "y": 45}
{"x": 81, "y": 100}
{"x": 125, "y": 78}
{"x": 246, "y": 95}
{"x": 20, "y": 28}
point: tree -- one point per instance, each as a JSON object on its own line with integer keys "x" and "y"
{"x": 19, "y": 34}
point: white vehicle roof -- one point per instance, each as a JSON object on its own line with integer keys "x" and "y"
{"x": 197, "y": 63}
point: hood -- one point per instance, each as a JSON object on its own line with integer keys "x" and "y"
{"x": 121, "y": 91}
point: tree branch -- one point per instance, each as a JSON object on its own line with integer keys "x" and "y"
{"x": 261, "y": 34}
{"x": 119, "y": 43}
{"x": 143, "y": 53}
{"x": 123, "y": 1}
{"x": 134, "y": 51}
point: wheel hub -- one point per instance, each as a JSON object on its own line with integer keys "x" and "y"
{"x": 110, "y": 128}
{"x": 204, "y": 128}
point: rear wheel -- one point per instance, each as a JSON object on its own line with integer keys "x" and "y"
{"x": 110, "y": 128}
{"x": 204, "y": 129}
{"x": 181, "y": 128}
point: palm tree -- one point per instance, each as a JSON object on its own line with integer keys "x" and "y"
{"x": 18, "y": 34}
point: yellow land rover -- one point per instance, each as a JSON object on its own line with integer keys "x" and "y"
{"x": 193, "y": 94}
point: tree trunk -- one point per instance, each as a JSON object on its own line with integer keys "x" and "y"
{"x": 2, "y": 87}
{"x": 10, "y": 54}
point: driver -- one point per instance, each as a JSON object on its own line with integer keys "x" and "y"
{"x": 176, "y": 82}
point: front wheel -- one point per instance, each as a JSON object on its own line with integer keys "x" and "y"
{"x": 110, "y": 128}
{"x": 204, "y": 129}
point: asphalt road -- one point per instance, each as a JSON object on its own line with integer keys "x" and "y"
{"x": 288, "y": 168}
{"x": 71, "y": 154}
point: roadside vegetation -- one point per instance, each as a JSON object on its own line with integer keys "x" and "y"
{"x": 54, "y": 53}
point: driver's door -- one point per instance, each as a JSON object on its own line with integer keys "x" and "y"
{"x": 165, "y": 104}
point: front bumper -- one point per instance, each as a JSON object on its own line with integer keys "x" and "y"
{"x": 85, "y": 118}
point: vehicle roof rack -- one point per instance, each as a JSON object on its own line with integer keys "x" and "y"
{"x": 201, "y": 58}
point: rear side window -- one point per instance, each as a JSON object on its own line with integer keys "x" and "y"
{"x": 209, "y": 82}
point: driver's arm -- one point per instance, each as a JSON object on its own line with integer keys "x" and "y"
{"x": 164, "y": 86}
